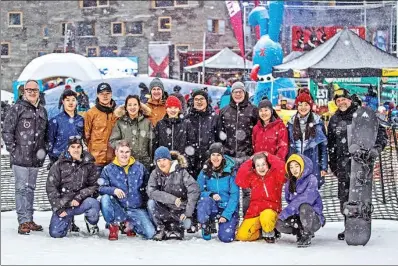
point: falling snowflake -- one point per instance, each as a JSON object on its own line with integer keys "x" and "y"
{"x": 71, "y": 120}
{"x": 168, "y": 131}
{"x": 41, "y": 154}
{"x": 343, "y": 140}
{"x": 311, "y": 124}
{"x": 189, "y": 150}
{"x": 354, "y": 115}
{"x": 143, "y": 133}
{"x": 240, "y": 134}
{"x": 223, "y": 136}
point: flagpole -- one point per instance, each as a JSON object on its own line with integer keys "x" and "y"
{"x": 244, "y": 37}
{"x": 204, "y": 56}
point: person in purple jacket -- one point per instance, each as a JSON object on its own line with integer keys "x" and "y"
{"x": 303, "y": 214}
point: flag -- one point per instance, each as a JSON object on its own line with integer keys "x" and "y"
{"x": 235, "y": 15}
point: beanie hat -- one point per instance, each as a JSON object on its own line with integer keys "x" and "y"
{"x": 78, "y": 88}
{"x": 75, "y": 140}
{"x": 173, "y": 101}
{"x": 156, "y": 82}
{"x": 68, "y": 87}
{"x": 238, "y": 85}
{"x": 68, "y": 93}
{"x": 202, "y": 93}
{"x": 304, "y": 97}
{"x": 216, "y": 147}
{"x": 177, "y": 88}
{"x": 162, "y": 153}
{"x": 103, "y": 87}
{"x": 341, "y": 93}
{"x": 265, "y": 104}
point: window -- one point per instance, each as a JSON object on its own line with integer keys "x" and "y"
{"x": 181, "y": 2}
{"x": 65, "y": 26}
{"x": 58, "y": 50}
{"x": 134, "y": 28}
{"x": 86, "y": 29}
{"x": 108, "y": 51}
{"x": 93, "y": 3}
{"x": 216, "y": 26}
{"x": 164, "y": 24}
{"x": 92, "y": 51}
{"x": 5, "y": 49}
{"x": 117, "y": 28}
{"x": 14, "y": 19}
{"x": 180, "y": 48}
{"x": 45, "y": 32}
{"x": 169, "y": 3}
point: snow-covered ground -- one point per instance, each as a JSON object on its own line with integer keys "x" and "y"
{"x": 79, "y": 248}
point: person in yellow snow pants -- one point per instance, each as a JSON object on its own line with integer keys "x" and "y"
{"x": 250, "y": 229}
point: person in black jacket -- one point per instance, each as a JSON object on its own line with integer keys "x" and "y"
{"x": 339, "y": 156}
{"x": 71, "y": 189}
{"x": 26, "y": 139}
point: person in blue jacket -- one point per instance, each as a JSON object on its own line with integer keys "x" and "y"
{"x": 219, "y": 199}
{"x": 122, "y": 184}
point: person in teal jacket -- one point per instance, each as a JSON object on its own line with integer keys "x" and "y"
{"x": 219, "y": 199}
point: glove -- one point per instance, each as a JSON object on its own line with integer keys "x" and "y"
{"x": 373, "y": 153}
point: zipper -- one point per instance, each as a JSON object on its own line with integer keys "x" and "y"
{"x": 172, "y": 136}
{"x": 200, "y": 123}
{"x": 236, "y": 130}
{"x": 265, "y": 187}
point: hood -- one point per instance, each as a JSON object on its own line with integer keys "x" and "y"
{"x": 177, "y": 161}
{"x": 121, "y": 111}
{"x": 105, "y": 109}
{"x": 86, "y": 157}
{"x": 229, "y": 164}
{"x": 304, "y": 161}
{"x": 126, "y": 168}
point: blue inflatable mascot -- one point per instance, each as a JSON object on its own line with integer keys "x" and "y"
{"x": 268, "y": 53}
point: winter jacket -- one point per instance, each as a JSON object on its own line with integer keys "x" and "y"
{"x": 237, "y": 123}
{"x": 139, "y": 133}
{"x": 98, "y": 124}
{"x": 158, "y": 111}
{"x": 60, "y": 128}
{"x": 266, "y": 191}
{"x": 25, "y": 133}
{"x": 272, "y": 138}
{"x": 339, "y": 156}
{"x": 131, "y": 179}
{"x": 174, "y": 133}
{"x": 306, "y": 192}
{"x": 83, "y": 103}
{"x": 166, "y": 188}
{"x": 313, "y": 148}
{"x": 206, "y": 128}
{"x": 71, "y": 180}
{"x": 182, "y": 100}
{"x": 222, "y": 184}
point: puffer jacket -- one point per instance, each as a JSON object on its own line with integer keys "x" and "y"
{"x": 166, "y": 188}
{"x": 306, "y": 192}
{"x": 266, "y": 191}
{"x": 237, "y": 123}
{"x": 157, "y": 111}
{"x": 272, "y": 138}
{"x": 98, "y": 124}
{"x": 71, "y": 180}
{"x": 138, "y": 132}
{"x": 60, "y": 128}
{"x": 131, "y": 179}
{"x": 25, "y": 133}
{"x": 222, "y": 184}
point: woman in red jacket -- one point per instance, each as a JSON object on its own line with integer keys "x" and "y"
{"x": 270, "y": 133}
{"x": 264, "y": 174}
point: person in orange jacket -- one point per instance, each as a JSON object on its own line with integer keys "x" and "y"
{"x": 264, "y": 174}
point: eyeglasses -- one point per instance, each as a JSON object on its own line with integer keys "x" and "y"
{"x": 30, "y": 90}
{"x": 199, "y": 99}
{"x": 237, "y": 92}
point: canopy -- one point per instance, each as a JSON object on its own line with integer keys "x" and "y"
{"x": 344, "y": 55}
{"x": 60, "y": 65}
{"x": 225, "y": 59}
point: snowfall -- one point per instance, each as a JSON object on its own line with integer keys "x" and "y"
{"x": 81, "y": 248}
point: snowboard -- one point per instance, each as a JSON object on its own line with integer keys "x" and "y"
{"x": 359, "y": 207}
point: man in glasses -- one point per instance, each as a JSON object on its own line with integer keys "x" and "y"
{"x": 72, "y": 189}
{"x": 25, "y": 136}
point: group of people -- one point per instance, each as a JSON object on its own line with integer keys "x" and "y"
{"x": 154, "y": 171}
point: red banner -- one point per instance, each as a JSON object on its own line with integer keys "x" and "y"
{"x": 308, "y": 38}
{"x": 235, "y": 15}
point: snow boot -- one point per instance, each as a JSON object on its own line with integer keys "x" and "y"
{"x": 91, "y": 229}
{"x": 213, "y": 228}
{"x": 74, "y": 227}
{"x": 129, "y": 232}
{"x": 277, "y": 234}
{"x": 24, "y": 229}
{"x": 206, "y": 231}
{"x": 35, "y": 227}
{"x": 304, "y": 241}
{"x": 269, "y": 237}
{"x": 175, "y": 234}
{"x": 113, "y": 232}
{"x": 160, "y": 235}
{"x": 341, "y": 236}
{"x": 122, "y": 228}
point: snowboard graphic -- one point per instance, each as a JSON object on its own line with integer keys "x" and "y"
{"x": 359, "y": 207}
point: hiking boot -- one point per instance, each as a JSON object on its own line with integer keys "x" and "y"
{"x": 113, "y": 232}
{"x": 175, "y": 234}
{"x": 122, "y": 228}
{"x": 74, "y": 227}
{"x": 24, "y": 229}
{"x": 160, "y": 235}
{"x": 269, "y": 239}
{"x": 341, "y": 236}
{"x": 35, "y": 227}
{"x": 206, "y": 232}
{"x": 129, "y": 232}
{"x": 277, "y": 234}
{"x": 304, "y": 241}
{"x": 91, "y": 229}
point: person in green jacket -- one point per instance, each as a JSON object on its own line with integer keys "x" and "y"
{"x": 134, "y": 127}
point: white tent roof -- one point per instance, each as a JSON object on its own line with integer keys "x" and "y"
{"x": 7, "y": 96}
{"x": 60, "y": 65}
{"x": 225, "y": 59}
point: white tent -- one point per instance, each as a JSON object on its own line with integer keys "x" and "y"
{"x": 7, "y": 96}
{"x": 115, "y": 67}
{"x": 225, "y": 59}
{"x": 60, "y": 65}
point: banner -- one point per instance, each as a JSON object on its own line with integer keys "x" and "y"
{"x": 307, "y": 38}
{"x": 70, "y": 38}
{"x": 158, "y": 60}
{"x": 235, "y": 15}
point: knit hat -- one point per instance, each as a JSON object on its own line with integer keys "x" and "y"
{"x": 75, "y": 140}
{"x": 297, "y": 158}
{"x": 156, "y": 82}
{"x": 238, "y": 85}
{"x": 341, "y": 93}
{"x": 103, "y": 87}
{"x": 177, "y": 88}
{"x": 68, "y": 87}
{"x": 162, "y": 153}
{"x": 304, "y": 97}
{"x": 173, "y": 101}
{"x": 202, "y": 93}
{"x": 78, "y": 88}
{"x": 216, "y": 147}
{"x": 265, "y": 104}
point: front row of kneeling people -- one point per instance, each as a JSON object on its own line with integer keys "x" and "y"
{"x": 163, "y": 204}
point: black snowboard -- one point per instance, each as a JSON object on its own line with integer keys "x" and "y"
{"x": 359, "y": 207}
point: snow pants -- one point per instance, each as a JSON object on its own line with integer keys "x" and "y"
{"x": 208, "y": 211}
{"x": 308, "y": 221}
{"x": 251, "y": 229}
{"x": 165, "y": 218}
{"x": 137, "y": 219}
{"x": 59, "y": 226}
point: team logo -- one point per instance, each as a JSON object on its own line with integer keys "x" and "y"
{"x": 26, "y": 124}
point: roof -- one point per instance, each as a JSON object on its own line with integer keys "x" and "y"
{"x": 225, "y": 59}
{"x": 344, "y": 55}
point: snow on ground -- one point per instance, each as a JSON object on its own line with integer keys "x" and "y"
{"x": 80, "y": 248}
